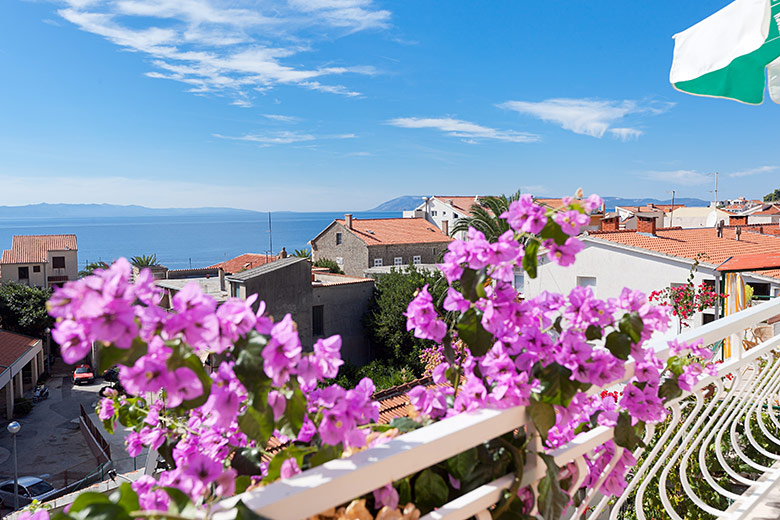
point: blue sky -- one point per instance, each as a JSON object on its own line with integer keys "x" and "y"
{"x": 342, "y": 104}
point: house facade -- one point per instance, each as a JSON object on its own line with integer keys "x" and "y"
{"x": 651, "y": 261}
{"x": 40, "y": 260}
{"x": 358, "y": 244}
{"x": 444, "y": 211}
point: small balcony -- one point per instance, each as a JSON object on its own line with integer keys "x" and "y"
{"x": 715, "y": 455}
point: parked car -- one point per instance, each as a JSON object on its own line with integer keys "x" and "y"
{"x": 30, "y": 488}
{"x": 83, "y": 374}
{"x": 111, "y": 375}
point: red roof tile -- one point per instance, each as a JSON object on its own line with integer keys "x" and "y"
{"x": 13, "y": 346}
{"x": 32, "y": 249}
{"x": 691, "y": 243}
{"x": 243, "y": 262}
{"x": 751, "y": 262}
{"x": 383, "y": 231}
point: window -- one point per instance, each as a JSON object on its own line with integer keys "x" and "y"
{"x": 433, "y": 213}
{"x": 443, "y": 213}
{"x": 454, "y": 216}
{"x": 587, "y": 281}
{"x": 377, "y": 262}
{"x": 519, "y": 281}
{"x": 24, "y": 273}
{"x": 8, "y": 488}
{"x": 58, "y": 262}
{"x": 236, "y": 290}
{"x": 398, "y": 260}
{"x": 416, "y": 260}
{"x": 340, "y": 260}
{"x": 318, "y": 320}
{"x": 338, "y": 239}
{"x": 36, "y": 269}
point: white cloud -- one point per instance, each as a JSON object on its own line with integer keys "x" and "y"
{"x": 753, "y": 171}
{"x": 282, "y": 118}
{"x": 588, "y": 116}
{"x": 230, "y": 47}
{"x": 680, "y": 177}
{"x": 276, "y": 138}
{"x": 468, "y": 132}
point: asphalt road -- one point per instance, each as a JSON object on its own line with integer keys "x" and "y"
{"x": 50, "y": 442}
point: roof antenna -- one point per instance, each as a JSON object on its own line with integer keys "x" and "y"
{"x": 738, "y": 232}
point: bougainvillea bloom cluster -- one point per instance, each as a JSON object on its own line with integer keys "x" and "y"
{"x": 267, "y": 410}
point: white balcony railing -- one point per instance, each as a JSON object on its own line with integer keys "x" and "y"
{"x": 730, "y": 413}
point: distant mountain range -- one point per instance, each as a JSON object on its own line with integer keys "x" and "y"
{"x": 108, "y": 210}
{"x": 409, "y": 202}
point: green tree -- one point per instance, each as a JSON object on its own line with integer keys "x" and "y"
{"x": 485, "y": 216}
{"x": 385, "y": 321}
{"x": 90, "y": 268}
{"x": 144, "y": 261}
{"x": 772, "y": 197}
{"x": 303, "y": 253}
{"x": 332, "y": 266}
{"x": 23, "y": 309}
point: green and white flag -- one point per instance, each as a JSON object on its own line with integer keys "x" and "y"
{"x": 727, "y": 55}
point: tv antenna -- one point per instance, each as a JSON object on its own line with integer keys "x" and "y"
{"x": 715, "y": 191}
{"x": 671, "y": 214}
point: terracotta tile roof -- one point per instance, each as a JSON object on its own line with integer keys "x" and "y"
{"x": 243, "y": 262}
{"x": 384, "y": 231}
{"x": 771, "y": 210}
{"x": 462, "y": 204}
{"x": 13, "y": 346}
{"x": 32, "y": 249}
{"x": 558, "y": 203}
{"x": 690, "y": 243}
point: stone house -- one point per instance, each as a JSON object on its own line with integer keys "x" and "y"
{"x": 358, "y": 244}
{"x": 40, "y": 260}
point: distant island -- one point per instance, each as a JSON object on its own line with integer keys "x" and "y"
{"x": 109, "y": 210}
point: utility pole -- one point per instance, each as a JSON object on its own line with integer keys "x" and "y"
{"x": 671, "y": 215}
{"x": 270, "y": 235}
{"x": 716, "y": 188}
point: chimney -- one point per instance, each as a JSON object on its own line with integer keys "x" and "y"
{"x": 719, "y": 228}
{"x": 348, "y": 220}
{"x": 283, "y": 254}
{"x": 738, "y": 220}
{"x": 449, "y": 201}
{"x": 610, "y": 223}
{"x": 738, "y": 232}
{"x": 445, "y": 227}
{"x": 222, "y": 279}
{"x": 645, "y": 225}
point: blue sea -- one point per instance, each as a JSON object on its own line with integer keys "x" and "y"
{"x": 182, "y": 241}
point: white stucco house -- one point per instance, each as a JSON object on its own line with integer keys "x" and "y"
{"x": 444, "y": 211}
{"x": 648, "y": 262}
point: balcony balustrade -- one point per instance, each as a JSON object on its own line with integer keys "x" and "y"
{"x": 725, "y": 413}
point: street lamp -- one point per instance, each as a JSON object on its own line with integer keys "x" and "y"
{"x": 13, "y": 429}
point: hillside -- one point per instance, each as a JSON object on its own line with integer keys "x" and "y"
{"x": 406, "y": 202}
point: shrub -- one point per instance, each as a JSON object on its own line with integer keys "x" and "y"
{"x": 22, "y": 406}
{"x": 332, "y": 266}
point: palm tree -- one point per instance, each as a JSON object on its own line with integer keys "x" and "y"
{"x": 144, "y": 261}
{"x": 303, "y": 253}
{"x": 485, "y": 216}
{"x": 90, "y": 268}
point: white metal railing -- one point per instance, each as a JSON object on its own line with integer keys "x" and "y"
{"x": 732, "y": 422}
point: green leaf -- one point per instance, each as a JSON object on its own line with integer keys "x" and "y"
{"x": 405, "y": 424}
{"x": 242, "y": 482}
{"x": 449, "y": 352}
{"x": 552, "y": 499}
{"x": 463, "y": 464}
{"x": 247, "y": 461}
{"x": 180, "y": 502}
{"x": 529, "y": 258}
{"x": 625, "y": 433}
{"x": 292, "y": 420}
{"x": 291, "y": 452}
{"x": 111, "y": 356}
{"x": 543, "y": 416}
{"x": 553, "y": 230}
{"x": 101, "y": 511}
{"x": 472, "y": 332}
{"x": 593, "y": 332}
{"x": 472, "y": 284}
{"x": 244, "y": 513}
{"x": 670, "y": 389}
{"x": 430, "y": 491}
{"x": 631, "y": 324}
{"x": 108, "y": 425}
{"x": 249, "y": 360}
{"x": 325, "y": 454}
{"x": 257, "y": 424}
{"x": 619, "y": 344}
{"x": 87, "y": 498}
{"x": 125, "y": 497}
{"x": 404, "y": 491}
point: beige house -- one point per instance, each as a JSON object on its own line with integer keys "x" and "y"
{"x": 40, "y": 260}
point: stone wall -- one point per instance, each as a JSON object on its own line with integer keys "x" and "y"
{"x": 352, "y": 251}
